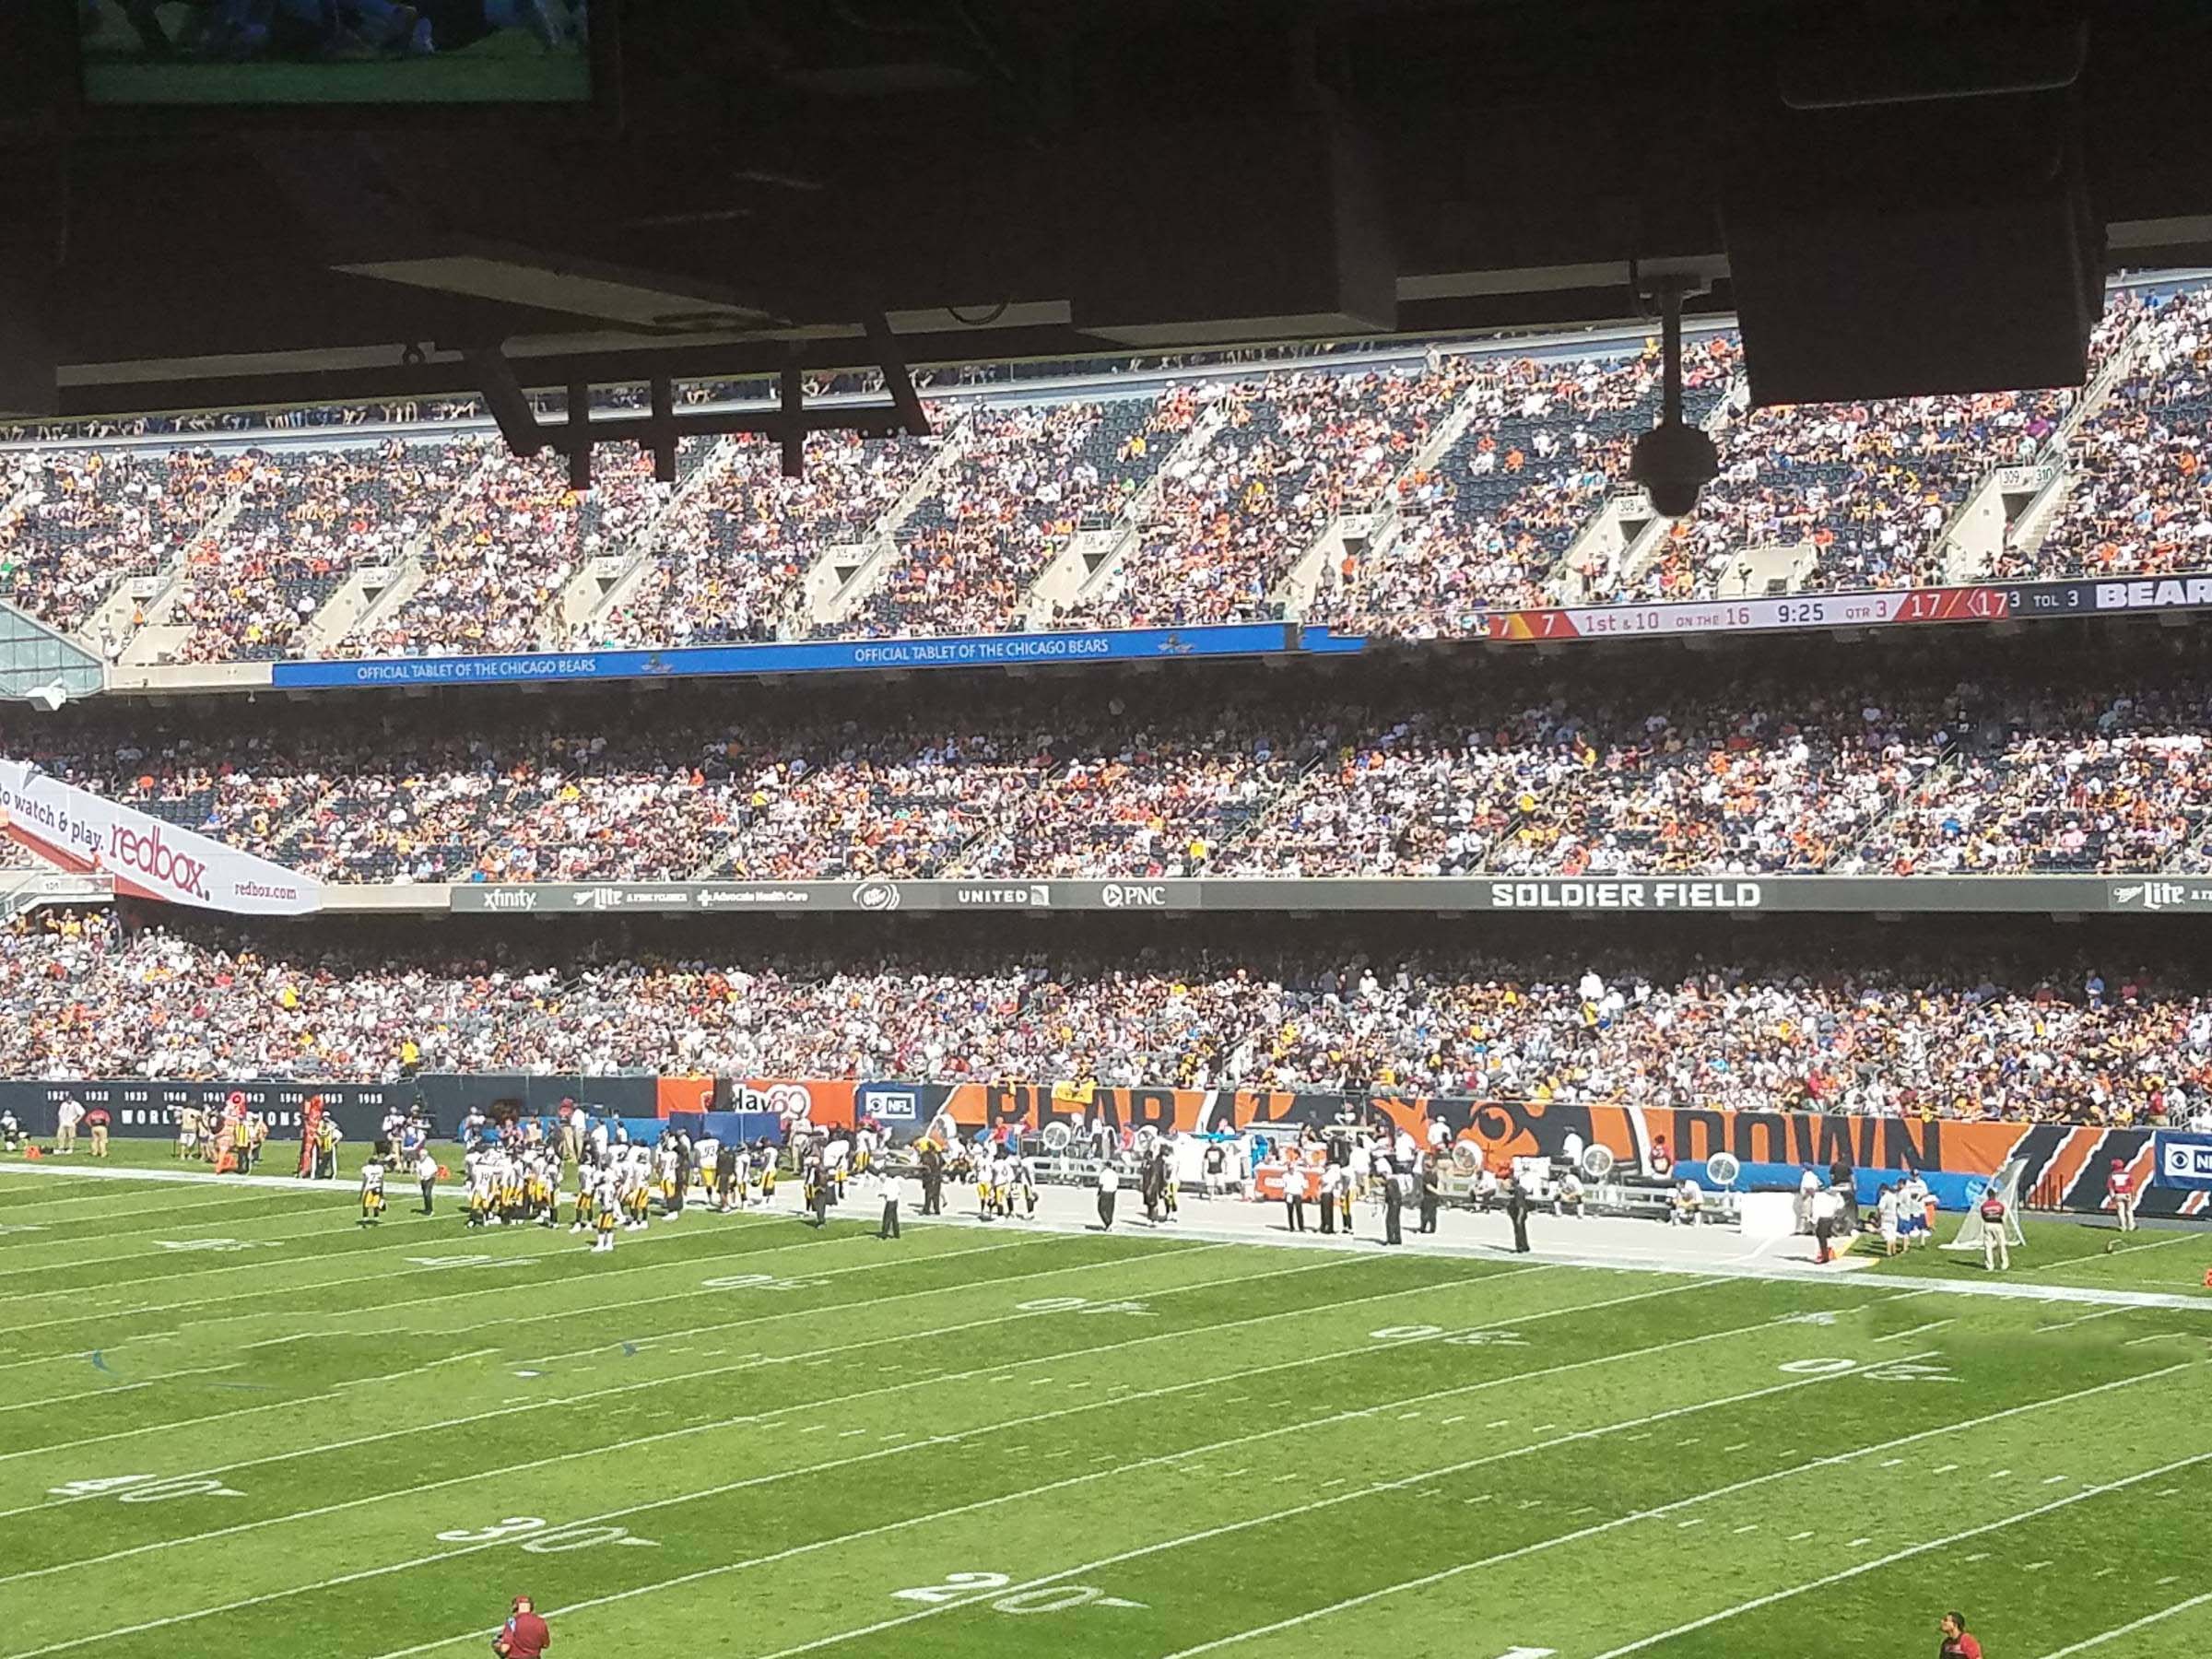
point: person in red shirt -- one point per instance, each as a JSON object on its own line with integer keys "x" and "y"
{"x": 525, "y": 1635}
{"x": 1957, "y": 1643}
{"x": 2122, "y": 1185}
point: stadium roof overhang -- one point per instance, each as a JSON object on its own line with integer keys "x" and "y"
{"x": 1052, "y": 178}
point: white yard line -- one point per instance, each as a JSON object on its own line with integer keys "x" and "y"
{"x": 932, "y": 1382}
{"x": 1119, "y": 1469}
{"x": 119, "y": 1387}
{"x": 858, "y": 1457}
{"x": 1601, "y": 1527}
{"x": 261, "y": 1263}
{"x": 1906, "y": 1554}
{"x": 751, "y": 1362}
{"x": 394, "y": 1276}
{"x": 2129, "y": 1629}
{"x": 1272, "y": 1517}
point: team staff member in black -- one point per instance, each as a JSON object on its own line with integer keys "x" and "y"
{"x": 1394, "y": 1207}
{"x": 1516, "y": 1209}
{"x": 1432, "y": 1192}
{"x": 933, "y": 1179}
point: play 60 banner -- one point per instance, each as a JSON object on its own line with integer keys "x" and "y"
{"x": 2185, "y": 1160}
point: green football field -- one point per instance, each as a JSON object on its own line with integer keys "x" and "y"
{"x": 233, "y": 1423}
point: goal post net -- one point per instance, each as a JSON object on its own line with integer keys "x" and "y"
{"x": 2005, "y": 1184}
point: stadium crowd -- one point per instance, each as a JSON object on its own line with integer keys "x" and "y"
{"x": 2139, "y": 504}
{"x": 259, "y": 535}
{"x": 1947, "y": 767}
{"x": 1944, "y": 1037}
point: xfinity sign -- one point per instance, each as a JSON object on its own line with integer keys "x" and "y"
{"x": 1625, "y": 895}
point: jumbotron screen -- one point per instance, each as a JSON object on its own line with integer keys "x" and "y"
{"x": 247, "y": 52}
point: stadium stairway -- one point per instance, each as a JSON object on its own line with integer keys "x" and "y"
{"x": 1091, "y": 570}
{"x": 371, "y": 591}
{"x": 842, "y": 577}
{"x": 160, "y": 637}
{"x": 606, "y": 582}
{"x": 1603, "y": 544}
{"x": 1371, "y": 530}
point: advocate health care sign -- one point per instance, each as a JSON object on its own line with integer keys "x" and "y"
{"x": 147, "y": 857}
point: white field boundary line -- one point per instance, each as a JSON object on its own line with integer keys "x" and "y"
{"x": 1094, "y": 1475}
{"x": 1735, "y": 1267}
{"x": 2129, "y": 1629}
{"x": 119, "y": 1386}
{"x": 751, "y": 1362}
{"x": 2102, "y": 1489}
{"x": 1318, "y": 1503}
{"x": 1111, "y": 1472}
{"x": 954, "y": 1437}
{"x": 1732, "y": 1268}
{"x": 1430, "y": 1580}
{"x": 281, "y": 1183}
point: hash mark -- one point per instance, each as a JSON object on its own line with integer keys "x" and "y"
{"x": 1892, "y": 1462}
{"x": 2170, "y": 1579}
{"x": 1999, "y": 1473}
{"x": 2054, "y": 1480}
{"x": 1693, "y": 1521}
{"x": 1983, "y": 1556}
{"x": 1540, "y": 1428}
{"x": 1739, "y": 1446}
{"x": 1859, "y": 1543}
{"x": 1587, "y": 1509}
{"x": 1948, "y": 1469}
{"x": 1752, "y": 1526}
{"x": 1407, "y": 1417}
{"x": 1799, "y": 1537}
{"x": 1501, "y": 1423}
{"x": 1450, "y": 1420}
{"x": 2035, "y": 1566}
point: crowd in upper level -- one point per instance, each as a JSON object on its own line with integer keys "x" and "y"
{"x": 1914, "y": 1027}
{"x": 1408, "y": 494}
{"x": 1942, "y": 765}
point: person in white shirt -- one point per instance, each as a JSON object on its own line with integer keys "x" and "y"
{"x": 426, "y": 1173}
{"x": 1809, "y": 1187}
{"x": 1687, "y": 1202}
{"x": 1109, "y": 1182}
{"x": 1567, "y": 1198}
{"x": 65, "y": 1121}
{"x": 1333, "y": 1178}
{"x": 1886, "y": 1210}
{"x": 887, "y": 1189}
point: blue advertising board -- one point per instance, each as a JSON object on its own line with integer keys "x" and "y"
{"x": 2182, "y": 1160}
{"x": 814, "y": 656}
